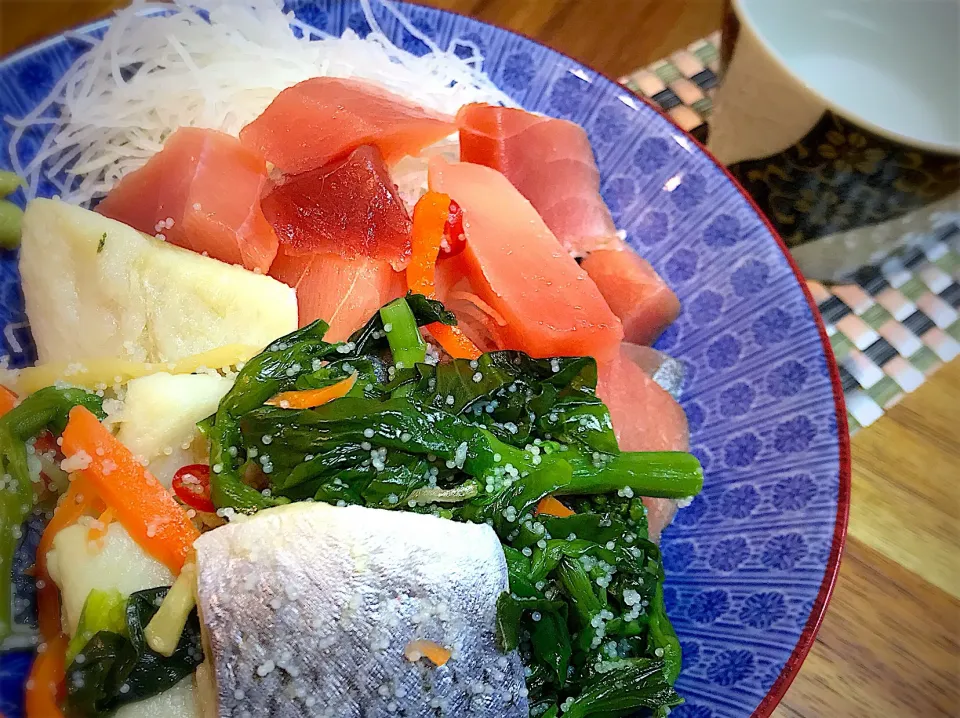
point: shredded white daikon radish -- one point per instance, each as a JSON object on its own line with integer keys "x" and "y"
{"x": 161, "y": 66}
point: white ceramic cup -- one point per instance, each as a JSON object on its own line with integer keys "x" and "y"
{"x": 842, "y": 120}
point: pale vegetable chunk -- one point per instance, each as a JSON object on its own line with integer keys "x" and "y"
{"x": 78, "y": 566}
{"x": 96, "y": 288}
{"x": 178, "y": 702}
{"x": 159, "y": 419}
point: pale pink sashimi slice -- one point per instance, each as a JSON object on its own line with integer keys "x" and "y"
{"x": 479, "y": 321}
{"x": 516, "y": 265}
{"x": 550, "y": 161}
{"x": 200, "y": 192}
{"x": 350, "y": 207}
{"x": 343, "y": 292}
{"x": 660, "y": 514}
{"x": 634, "y": 291}
{"x": 645, "y": 418}
{"x": 325, "y": 118}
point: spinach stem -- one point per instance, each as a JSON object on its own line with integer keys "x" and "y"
{"x": 403, "y": 336}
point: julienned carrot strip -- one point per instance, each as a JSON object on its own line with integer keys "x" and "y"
{"x": 309, "y": 398}
{"x": 454, "y": 341}
{"x": 45, "y": 685}
{"x": 141, "y": 504}
{"x": 549, "y": 506}
{"x": 429, "y": 220}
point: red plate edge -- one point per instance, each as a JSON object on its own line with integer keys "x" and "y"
{"x": 808, "y": 635}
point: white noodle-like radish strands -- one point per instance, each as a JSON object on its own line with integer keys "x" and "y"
{"x": 162, "y": 66}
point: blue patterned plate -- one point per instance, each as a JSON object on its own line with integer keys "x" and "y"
{"x": 751, "y": 563}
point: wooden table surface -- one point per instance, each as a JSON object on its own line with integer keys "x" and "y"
{"x": 889, "y": 644}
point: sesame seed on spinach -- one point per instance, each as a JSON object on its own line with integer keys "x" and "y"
{"x": 484, "y": 441}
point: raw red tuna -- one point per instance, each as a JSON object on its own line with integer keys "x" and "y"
{"x": 324, "y": 118}
{"x": 634, "y": 291}
{"x": 343, "y": 292}
{"x": 200, "y": 192}
{"x": 550, "y": 161}
{"x": 515, "y": 264}
{"x": 350, "y": 207}
{"x": 645, "y": 418}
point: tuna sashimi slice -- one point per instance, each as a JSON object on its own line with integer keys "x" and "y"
{"x": 350, "y": 207}
{"x": 200, "y": 192}
{"x": 645, "y": 418}
{"x": 342, "y": 292}
{"x": 324, "y": 118}
{"x": 634, "y": 291}
{"x": 516, "y": 266}
{"x": 550, "y": 161}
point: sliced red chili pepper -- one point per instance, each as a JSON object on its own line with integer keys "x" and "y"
{"x": 45, "y": 442}
{"x": 453, "y": 237}
{"x": 191, "y": 484}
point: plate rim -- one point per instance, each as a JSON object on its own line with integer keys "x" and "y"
{"x": 808, "y": 634}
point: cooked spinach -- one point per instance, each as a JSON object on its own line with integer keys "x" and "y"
{"x": 116, "y": 669}
{"x": 481, "y": 441}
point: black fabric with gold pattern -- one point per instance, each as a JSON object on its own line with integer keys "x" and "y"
{"x": 870, "y": 179}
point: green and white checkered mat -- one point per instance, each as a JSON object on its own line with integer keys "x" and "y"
{"x": 893, "y": 328}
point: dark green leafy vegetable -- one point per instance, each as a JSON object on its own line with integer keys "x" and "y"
{"x": 480, "y": 441}
{"x": 102, "y": 611}
{"x": 119, "y": 669}
{"x": 371, "y": 337}
{"x": 625, "y": 687}
{"x": 47, "y": 409}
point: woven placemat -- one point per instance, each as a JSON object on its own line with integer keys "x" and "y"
{"x": 898, "y": 323}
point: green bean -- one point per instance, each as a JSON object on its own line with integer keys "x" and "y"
{"x": 10, "y": 183}
{"x": 11, "y": 217}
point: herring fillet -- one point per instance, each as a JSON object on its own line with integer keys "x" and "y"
{"x": 308, "y": 608}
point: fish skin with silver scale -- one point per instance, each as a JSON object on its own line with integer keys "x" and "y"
{"x": 308, "y": 610}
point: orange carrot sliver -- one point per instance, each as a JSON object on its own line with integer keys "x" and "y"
{"x": 45, "y": 685}
{"x": 98, "y": 532}
{"x": 429, "y": 219}
{"x": 549, "y": 506}
{"x": 454, "y": 341}
{"x": 141, "y": 504}
{"x": 8, "y": 400}
{"x": 437, "y": 654}
{"x": 309, "y": 398}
